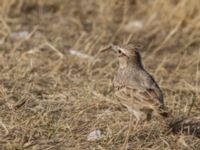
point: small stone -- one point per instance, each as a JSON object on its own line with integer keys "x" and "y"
{"x": 94, "y": 135}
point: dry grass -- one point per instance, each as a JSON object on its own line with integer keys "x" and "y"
{"x": 51, "y": 99}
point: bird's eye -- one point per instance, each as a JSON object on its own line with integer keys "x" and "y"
{"x": 119, "y": 51}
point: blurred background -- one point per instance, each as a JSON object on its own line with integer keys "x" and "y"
{"x": 162, "y": 23}
{"x": 56, "y": 87}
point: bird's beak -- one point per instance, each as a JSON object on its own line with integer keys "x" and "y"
{"x": 105, "y": 48}
{"x": 114, "y": 47}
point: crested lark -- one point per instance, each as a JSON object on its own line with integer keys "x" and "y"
{"x": 137, "y": 90}
{"x": 134, "y": 86}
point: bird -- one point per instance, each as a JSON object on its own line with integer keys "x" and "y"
{"x": 138, "y": 91}
{"x": 136, "y": 88}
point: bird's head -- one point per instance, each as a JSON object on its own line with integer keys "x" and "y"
{"x": 128, "y": 50}
{"x": 128, "y": 54}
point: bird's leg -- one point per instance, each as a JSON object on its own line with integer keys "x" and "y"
{"x": 148, "y": 112}
{"x": 149, "y": 116}
{"x": 140, "y": 121}
{"x": 140, "y": 118}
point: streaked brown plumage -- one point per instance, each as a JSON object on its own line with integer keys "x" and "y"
{"x": 137, "y": 90}
{"x": 134, "y": 86}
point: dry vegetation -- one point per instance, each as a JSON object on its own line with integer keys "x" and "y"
{"x": 52, "y": 99}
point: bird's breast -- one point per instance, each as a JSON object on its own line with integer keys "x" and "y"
{"x": 123, "y": 77}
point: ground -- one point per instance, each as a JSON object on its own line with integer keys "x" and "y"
{"x": 56, "y": 87}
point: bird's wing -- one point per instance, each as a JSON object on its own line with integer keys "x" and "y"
{"x": 147, "y": 86}
{"x": 154, "y": 90}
